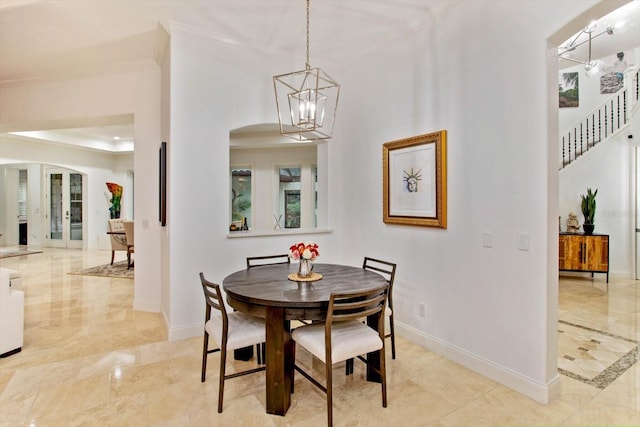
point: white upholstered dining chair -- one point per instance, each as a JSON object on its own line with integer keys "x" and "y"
{"x": 230, "y": 331}
{"x": 343, "y": 336}
{"x": 388, "y": 271}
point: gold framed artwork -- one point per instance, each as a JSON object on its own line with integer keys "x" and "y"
{"x": 414, "y": 182}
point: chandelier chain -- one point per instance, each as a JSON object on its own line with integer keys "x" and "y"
{"x": 307, "y": 64}
{"x": 306, "y": 100}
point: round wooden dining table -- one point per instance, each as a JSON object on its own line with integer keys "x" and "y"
{"x": 266, "y": 291}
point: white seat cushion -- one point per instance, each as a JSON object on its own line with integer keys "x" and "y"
{"x": 387, "y": 311}
{"x": 348, "y": 340}
{"x": 244, "y": 330}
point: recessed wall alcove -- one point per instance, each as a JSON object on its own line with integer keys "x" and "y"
{"x": 277, "y": 184}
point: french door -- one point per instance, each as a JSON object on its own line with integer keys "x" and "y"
{"x": 65, "y": 206}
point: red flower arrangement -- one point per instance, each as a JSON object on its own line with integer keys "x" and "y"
{"x": 304, "y": 250}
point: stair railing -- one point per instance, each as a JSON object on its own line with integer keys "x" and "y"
{"x": 603, "y": 122}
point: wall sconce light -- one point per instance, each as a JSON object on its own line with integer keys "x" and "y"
{"x": 306, "y": 101}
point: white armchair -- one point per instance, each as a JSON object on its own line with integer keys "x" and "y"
{"x": 11, "y": 316}
{"x": 118, "y": 241}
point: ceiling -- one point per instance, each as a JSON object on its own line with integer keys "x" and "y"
{"x": 48, "y": 38}
{"x": 112, "y": 138}
{"x": 44, "y": 37}
{"x": 625, "y": 22}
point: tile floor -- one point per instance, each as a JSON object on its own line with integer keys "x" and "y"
{"x": 89, "y": 360}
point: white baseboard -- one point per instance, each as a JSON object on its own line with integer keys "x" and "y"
{"x": 543, "y": 393}
{"x": 150, "y": 306}
{"x": 173, "y": 334}
{"x": 186, "y": 331}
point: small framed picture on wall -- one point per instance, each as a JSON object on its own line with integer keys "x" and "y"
{"x": 568, "y": 90}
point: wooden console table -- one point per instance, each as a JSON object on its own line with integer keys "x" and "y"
{"x": 584, "y": 253}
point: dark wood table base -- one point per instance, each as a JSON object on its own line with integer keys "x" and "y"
{"x": 282, "y": 353}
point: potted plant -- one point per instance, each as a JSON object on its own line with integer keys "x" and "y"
{"x": 588, "y": 206}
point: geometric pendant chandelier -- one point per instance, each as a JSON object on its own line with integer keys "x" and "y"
{"x": 306, "y": 101}
{"x": 592, "y": 68}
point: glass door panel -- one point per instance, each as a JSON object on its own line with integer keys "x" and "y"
{"x": 75, "y": 206}
{"x": 66, "y": 198}
{"x": 55, "y": 207}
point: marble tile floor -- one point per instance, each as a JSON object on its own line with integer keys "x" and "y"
{"x": 90, "y": 360}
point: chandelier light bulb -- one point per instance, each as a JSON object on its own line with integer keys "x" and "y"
{"x": 311, "y": 107}
{"x": 595, "y": 68}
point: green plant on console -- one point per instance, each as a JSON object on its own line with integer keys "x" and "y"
{"x": 588, "y": 206}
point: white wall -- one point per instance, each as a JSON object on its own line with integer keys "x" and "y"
{"x": 480, "y": 74}
{"x": 164, "y": 242}
{"x": 210, "y": 85}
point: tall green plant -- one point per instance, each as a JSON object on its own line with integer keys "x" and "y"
{"x": 588, "y": 206}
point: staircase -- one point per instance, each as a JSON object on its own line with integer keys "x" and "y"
{"x": 602, "y": 123}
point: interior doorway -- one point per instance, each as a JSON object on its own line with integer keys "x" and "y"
{"x": 64, "y": 197}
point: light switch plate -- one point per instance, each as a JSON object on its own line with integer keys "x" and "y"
{"x": 524, "y": 241}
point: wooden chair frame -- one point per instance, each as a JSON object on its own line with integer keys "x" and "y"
{"x": 257, "y": 261}
{"x": 344, "y": 307}
{"x": 388, "y": 270}
{"x": 118, "y": 241}
{"x": 129, "y": 233}
{"x": 213, "y": 298}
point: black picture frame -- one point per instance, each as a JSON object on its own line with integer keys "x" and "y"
{"x": 162, "y": 185}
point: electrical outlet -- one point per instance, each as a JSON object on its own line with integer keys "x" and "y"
{"x": 422, "y": 310}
